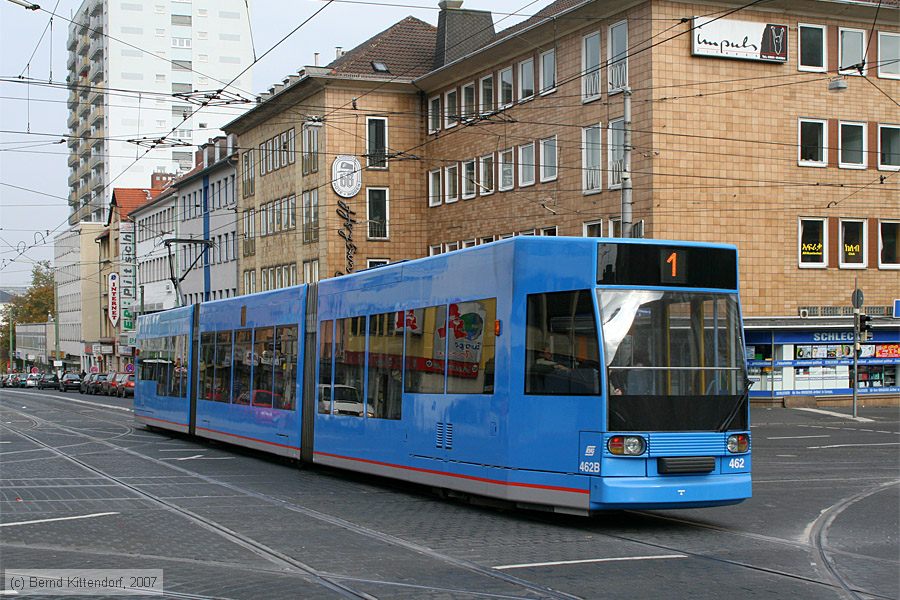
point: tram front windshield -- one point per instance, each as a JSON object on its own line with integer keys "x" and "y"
{"x": 674, "y": 360}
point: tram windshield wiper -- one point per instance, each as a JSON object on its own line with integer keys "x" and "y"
{"x": 737, "y": 406}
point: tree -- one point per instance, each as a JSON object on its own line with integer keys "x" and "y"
{"x": 31, "y": 307}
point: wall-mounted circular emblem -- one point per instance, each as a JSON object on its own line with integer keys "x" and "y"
{"x": 346, "y": 176}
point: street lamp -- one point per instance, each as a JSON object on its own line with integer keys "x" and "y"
{"x": 28, "y": 5}
{"x": 837, "y": 84}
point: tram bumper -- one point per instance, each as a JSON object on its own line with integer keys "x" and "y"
{"x": 688, "y": 491}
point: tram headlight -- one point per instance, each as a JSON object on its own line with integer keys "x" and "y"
{"x": 737, "y": 443}
{"x": 626, "y": 445}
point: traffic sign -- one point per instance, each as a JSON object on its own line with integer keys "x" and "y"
{"x": 857, "y": 298}
{"x": 95, "y": 369}
{"x": 34, "y": 370}
{"x": 129, "y": 368}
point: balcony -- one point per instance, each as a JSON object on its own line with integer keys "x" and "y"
{"x": 72, "y": 102}
{"x": 95, "y": 160}
{"x": 97, "y": 116}
{"x": 96, "y": 26}
{"x": 590, "y": 85}
{"x": 73, "y": 179}
{"x": 72, "y": 41}
{"x": 96, "y": 8}
{"x": 592, "y": 180}
{"x": 618, "y": 75}
{"x": 73, "y": 161}
{"x": 95, "y": 73}
{"x": 616, "y": 168}
{"x": 70, "y": 62}
{"x": 72, "y": 121}
{"x": 95, "y": 52}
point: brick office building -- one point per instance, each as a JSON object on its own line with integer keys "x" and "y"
{"x": 763, "y": 126}
{"x": 322, "y": 189}
{"x": 737, "y": 137}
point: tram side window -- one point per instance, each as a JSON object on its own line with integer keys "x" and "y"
{"x": 206, "y": 365}
{"x": 384, "y": 394}
{"x": 179, "y": 374}
{"x": 285, "y": 366}
{"x": 263, "y": 366}
{"x": 243, "y": 365}
{"x": 149, "y": 358}
{"x": 221, "y": 391}
{"x": 164, "y": 366}
{"x": 326, "y": 352}
{"x": 561, "y": 346}
{"x": 349, "y": 351}
{"x": 471, "y": 347}
{"x": 425, "y": 352}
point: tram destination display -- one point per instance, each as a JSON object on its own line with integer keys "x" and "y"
{"x": 667, "y": 265}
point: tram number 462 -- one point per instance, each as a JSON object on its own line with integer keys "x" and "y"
{"x": 736, "y": 463}
{"x": 589, "y": 467}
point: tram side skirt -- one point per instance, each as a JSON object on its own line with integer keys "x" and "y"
{"x": 310, "y": 355}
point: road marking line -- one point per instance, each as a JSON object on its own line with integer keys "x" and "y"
{"x": 58, "y": 519}
{"x": 796, "y": 437}
{"x": 5, "y": 442}
{"x": 588, "y": 560}
{"x": 837, "y": 414}
{"x": 178, "y": 450}
{"x": 185, "y": 457}
{"x": 852, "y": 445}
{"x": 9, "y": 593}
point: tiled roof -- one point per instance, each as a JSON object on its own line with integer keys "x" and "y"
{"x": 548, "y": 11}
{"x": 128, "y": 199}
{"x": 406, "y": 48}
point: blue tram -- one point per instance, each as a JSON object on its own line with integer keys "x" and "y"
{"x": 570, "y": 374}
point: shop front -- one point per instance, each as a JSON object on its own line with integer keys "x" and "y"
{"x": 810, "y": 362}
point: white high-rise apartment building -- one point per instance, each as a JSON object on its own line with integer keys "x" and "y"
{"x": 128, "y": 61}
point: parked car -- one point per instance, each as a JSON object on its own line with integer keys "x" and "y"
{"x": 108, "y": 384}
{"x": 113, "y": 382}
{"x": 48, "y": 380}
{"x": 126, "y": 388}
{"x": 87, "y": 382}
{"x": 96, "y": 386}
{"x": 8, "y": 379}
{"x": 32, "y": 380}
{"x": 70, "y": 381}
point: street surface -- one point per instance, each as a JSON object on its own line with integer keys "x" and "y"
{"x": 226, "y": 523}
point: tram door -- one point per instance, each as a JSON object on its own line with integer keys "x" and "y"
{"x": 193, "y": 372}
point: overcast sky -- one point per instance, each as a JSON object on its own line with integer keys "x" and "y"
{"x": 32, "y": 161}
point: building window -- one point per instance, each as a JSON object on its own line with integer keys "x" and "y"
{"x": 615, "y": 227}
{"x": 526, "y": 164}
{"x": 434, "y": 114}
{"x": 616, "y": 152}
{"x": 812, "y": 143}
{"x": 311, "y": 271}
{"x": 487, "y": 94}
{"x": 505, "y": 163}
{"x": 548, "y": 159}
{"x": 889, "y": 147}
{"x": 618, "y": 57}
{"x": 852, "y": 51}
{"x": 851, "y": 145}
{"x": 548, "y": 71}
{"x": 487, "y": 175}
{"x": 434, "y": 188}
{"x": 526, "y": 79}
{"x": 248, "y": 174}
{"x": 811, "y": 40}
{"x": 592, "y": 228}
{"x": 371, "y": 263}
{"x": 292, "y": 155}
{"x": 813, "y": 243}
{"x": 377, "y": 213}
{"x": 853, "y": 244}
{"x": 310, "y": 216}
{"x": 889, "y": 245}
{"x": 590, "y": 67}
{"x": 451, "y": 108}
{"x": 434, "y": 250}
{"x": 310, "y": 149}
{"x": 468, "y": 179}
{"x": 377, "y": 142}
{"x": 468, "y": 101}
{"x": 506, "y": 87}
{"x": 451, "y": 182}
{"x": 591, "y": 157}
{"x": 889, "y": 55}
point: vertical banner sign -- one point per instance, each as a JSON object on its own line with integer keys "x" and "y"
{"x": 128, "y": 281}
{"x": 113, "y": 304}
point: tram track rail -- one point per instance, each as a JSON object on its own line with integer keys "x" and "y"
{"x": 817, "y": 544}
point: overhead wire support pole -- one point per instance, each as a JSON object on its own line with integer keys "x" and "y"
{"x": 627, "y": 202}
